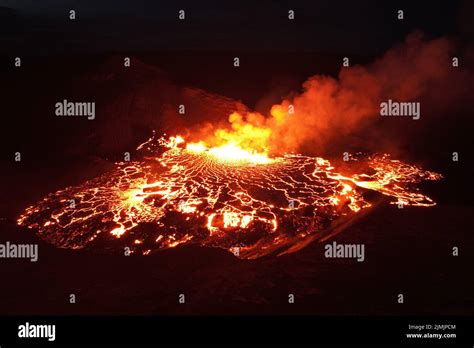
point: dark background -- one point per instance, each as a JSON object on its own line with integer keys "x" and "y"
{"x": 407, "y": 251}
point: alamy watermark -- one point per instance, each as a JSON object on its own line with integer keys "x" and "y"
{"x": 19, "y": 251}
{"x": 66, "y": 108}
{"x": 394, "y": 108}
{"x": 346, "y": 251}
{"x": 28, "y": 330}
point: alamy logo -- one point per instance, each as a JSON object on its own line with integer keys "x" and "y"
{"x": 37, "y": 331}
{"x": 21, "y": 251}
{"x": 346, "y": 251}
{"x": 393, "y": 108}
{"x": 66, "y": 108}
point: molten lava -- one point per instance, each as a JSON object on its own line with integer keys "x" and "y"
{"x": 231, "y": 196}
{"x": 230, "y": 153}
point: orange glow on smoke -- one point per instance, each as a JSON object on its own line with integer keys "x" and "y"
{"x": 328, "y": 109}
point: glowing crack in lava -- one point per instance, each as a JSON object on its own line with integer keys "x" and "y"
{"x": 225, "y": 197}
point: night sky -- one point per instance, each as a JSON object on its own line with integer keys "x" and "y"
{"x": 362, "y": 27}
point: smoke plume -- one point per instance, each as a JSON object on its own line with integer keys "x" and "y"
{"x": 332, "y": 109}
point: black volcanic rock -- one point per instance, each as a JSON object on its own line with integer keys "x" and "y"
{"x": 133, "y": 101}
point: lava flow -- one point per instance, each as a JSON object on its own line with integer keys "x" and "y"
{"x": 225, "y": 196}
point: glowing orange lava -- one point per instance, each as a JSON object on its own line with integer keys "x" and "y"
{"x": 230, "y": 195}
{"x": 230, "y": 153}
